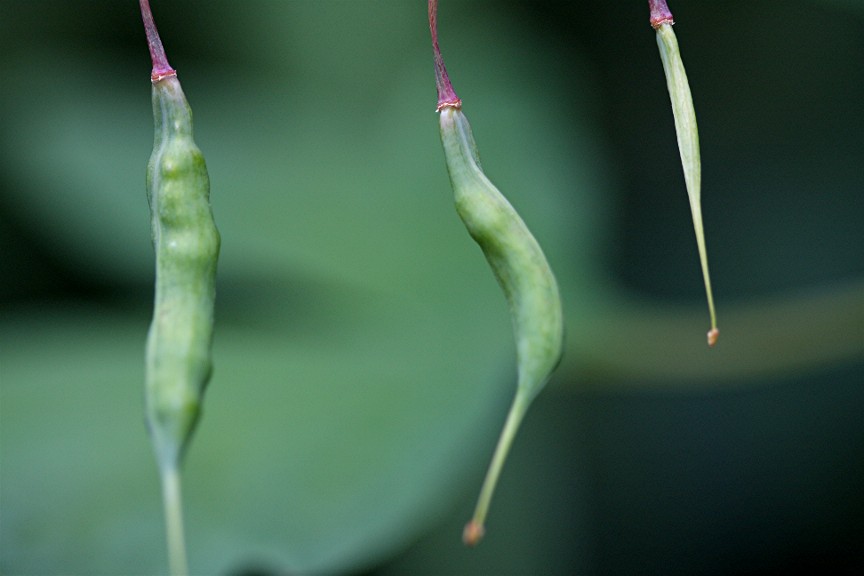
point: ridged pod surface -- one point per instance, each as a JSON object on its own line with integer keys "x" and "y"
{"x": 186, "y": 243}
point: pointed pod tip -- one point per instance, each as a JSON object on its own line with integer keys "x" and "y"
{"x": 713, "y": 335}
{"x": 473, "y": 533}
{"x": 660, "y": 13}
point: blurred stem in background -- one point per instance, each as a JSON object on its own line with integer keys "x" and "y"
{"x": 777, "y": 335}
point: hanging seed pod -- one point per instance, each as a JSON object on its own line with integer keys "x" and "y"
{"x": 688, "y": 136}
{"x": 186, "y": 242}
{"x": 517, "y": 262}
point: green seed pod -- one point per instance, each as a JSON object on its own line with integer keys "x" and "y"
{"x": 687, "y": 134}
{"x": 517, "y": 262}
{"x": 186, "y": 242}
{"x": 187, "y": 247}
{"x": 512, "y": 252}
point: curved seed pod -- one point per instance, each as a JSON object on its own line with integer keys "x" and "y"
{"x": 186, "y": 242}
{"x": 517, "y": 262}
{"x": 512, "y": 252}
{"x": 687, "y": 133}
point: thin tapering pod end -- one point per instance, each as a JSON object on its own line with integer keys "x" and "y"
{"x": 473, "y": 533}
{"x": 474, "y": 529}
{"x": 713, "y": 335}
{"x": 161, "y": 68}
{"x": 447, "y": 97}
{"x": 660, "y": 13}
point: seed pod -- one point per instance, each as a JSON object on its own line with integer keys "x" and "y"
{"x": 512, "y": 252}
{"x": 517, "y": 262}
{"x": 687, "y": 134}
{"x": 186, "y": 242}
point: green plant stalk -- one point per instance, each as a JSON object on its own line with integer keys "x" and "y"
{"x": 186, "y": 243}
{"x": 688, "y": 137}
{"x": 516, "y": 260}
{"x": 475, "y": 529}
{"x": 172, "y": 500}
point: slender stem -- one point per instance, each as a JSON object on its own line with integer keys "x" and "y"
{"x": 474, "y": 529}
{"x": 446, "y": 95}
{"x": 173, "y": 502}
{"x": 161, "y": 67}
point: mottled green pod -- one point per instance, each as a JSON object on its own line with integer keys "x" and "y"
{"x": 517, "y": 262}
{"x": 186, "y": 243}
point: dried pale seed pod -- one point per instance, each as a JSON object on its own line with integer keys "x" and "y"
{"x": 688, "y": 136}
{"x": 186, "y": 242}
{"x": 517, "y": 262}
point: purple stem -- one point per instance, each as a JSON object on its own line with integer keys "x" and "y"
{"x": 660, "y": 13}
{"x": 161, "y": 68}
{"x": 446, "y": 95}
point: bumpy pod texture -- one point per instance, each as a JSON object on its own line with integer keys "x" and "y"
{"x": 186, "y": 243}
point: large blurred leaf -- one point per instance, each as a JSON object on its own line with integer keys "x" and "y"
{"x": 303, "y": 168}
{"x": 363, "y": 351}
{"x": 314, "y": 453}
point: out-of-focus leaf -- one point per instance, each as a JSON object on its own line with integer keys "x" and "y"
{"x": 345, "y": 270}
{"x": 302, "y": 171}
{"x": 313, "y": 453}
{"x": 363, "y": 355}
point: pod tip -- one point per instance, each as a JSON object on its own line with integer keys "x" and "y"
{"x": 473, "y": 533}
{"x": 713, "y": 335}
{"x": 660, "y": 13}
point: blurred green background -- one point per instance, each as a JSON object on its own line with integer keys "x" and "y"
{"x": 363, "y": 354}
